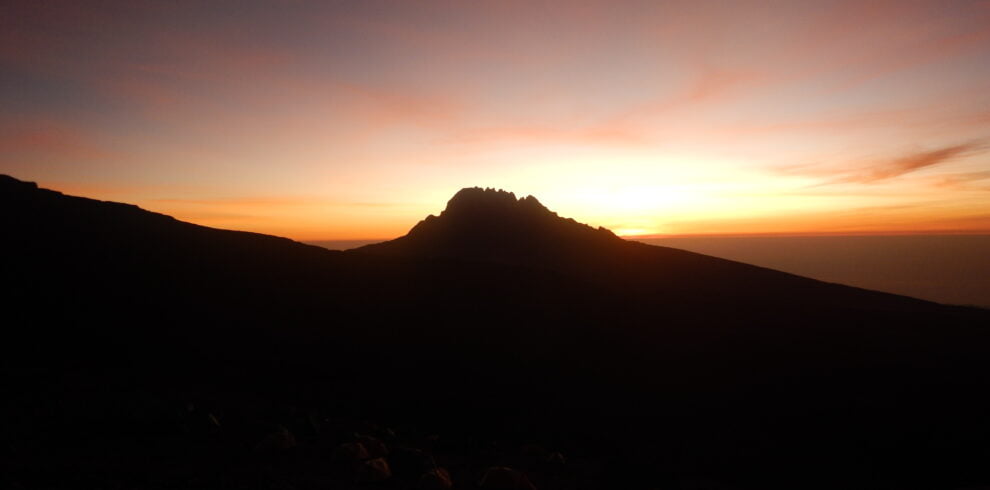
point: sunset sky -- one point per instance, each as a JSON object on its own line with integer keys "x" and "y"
{"x": 355, "y": 119}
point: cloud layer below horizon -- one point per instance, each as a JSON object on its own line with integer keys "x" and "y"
{"x": 340, "y": 120}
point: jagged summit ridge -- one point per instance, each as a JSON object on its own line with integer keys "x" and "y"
{"x": 489, "y": 211}
{"x": 494, "y": 225}
{"x": 477, "y": 200}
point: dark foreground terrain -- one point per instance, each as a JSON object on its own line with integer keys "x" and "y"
{"x": 495, "y": 346}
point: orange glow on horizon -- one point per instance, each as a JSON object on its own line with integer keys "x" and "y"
{"x": 330, "y": 121}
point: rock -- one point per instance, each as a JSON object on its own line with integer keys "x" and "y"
{"x": 374, "y": 470}
{"x": 376, "y": 447}
{"x": 435, "y": 479}
{"x": 349, "y": 452}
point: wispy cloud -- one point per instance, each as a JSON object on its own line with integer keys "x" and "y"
{"x": 966, "y": 181}
{"x": 338, "y": 99}
{"x": 383, "y": 107}
{"x": 887, "y": 169}
{"x": 51, "y": 139}
{"x": 910, "y": 163}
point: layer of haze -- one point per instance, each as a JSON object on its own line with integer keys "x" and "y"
{"x": 953, "y": 269}
{"x": 354, "y": 119}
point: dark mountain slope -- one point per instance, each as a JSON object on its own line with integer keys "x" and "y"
{"x": 487, "y": 225}
{"x": 489, "y": 263}
{"x": 77, "y": 261}
{"x": 496, "y": 321}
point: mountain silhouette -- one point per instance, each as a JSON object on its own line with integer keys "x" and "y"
{"x": 488, "y": 225}
{"x": 492, "y": 225}
{"x": 495, "y": 323}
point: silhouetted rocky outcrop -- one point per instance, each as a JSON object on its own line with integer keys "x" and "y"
{"x": 489, "y": 224}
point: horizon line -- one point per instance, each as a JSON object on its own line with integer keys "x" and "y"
{"x": 647, "y": 236}
{"x": 730, "y": 235}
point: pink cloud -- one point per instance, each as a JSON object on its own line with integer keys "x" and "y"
{"x": 48, "y": 138}
{"x": 388, "y": 107}
{"x": 910, "y": 163}
{"x": 966, "y": 181}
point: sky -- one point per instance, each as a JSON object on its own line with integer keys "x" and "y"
{"x": 355, "y": 119}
